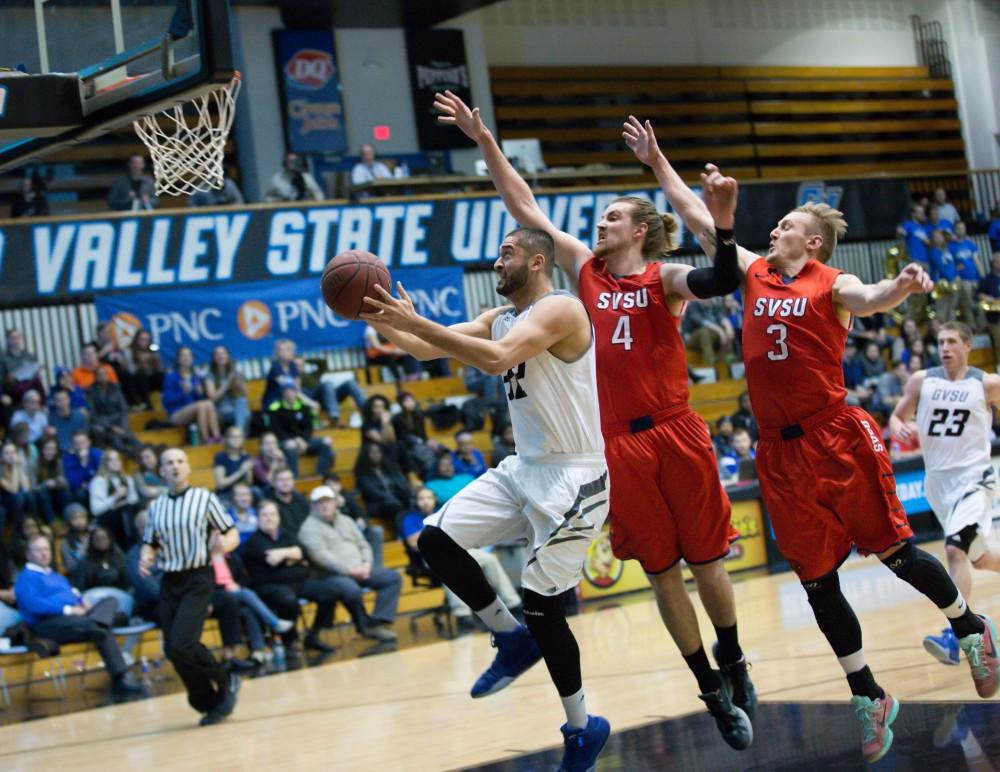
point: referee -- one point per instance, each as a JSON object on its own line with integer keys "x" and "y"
{"x": 183, "y": 526}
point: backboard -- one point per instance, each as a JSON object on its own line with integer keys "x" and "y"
{"x": 58, "y": 101}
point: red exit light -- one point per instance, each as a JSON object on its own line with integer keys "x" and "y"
{"x": 382, "y": 133}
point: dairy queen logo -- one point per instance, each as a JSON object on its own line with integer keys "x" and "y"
{"x": 310, "y": 68}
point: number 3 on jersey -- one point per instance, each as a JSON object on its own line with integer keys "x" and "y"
{"x": 622, "y": 336}
{"x": 781, "y": 331}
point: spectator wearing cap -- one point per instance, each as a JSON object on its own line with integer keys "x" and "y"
{"x": 66, "y": 420}
{"x": 32, "y": 414}
{"x": 334, "y": 544}
{"x": 292, "y": 421}
{"x": 374, "y": 533}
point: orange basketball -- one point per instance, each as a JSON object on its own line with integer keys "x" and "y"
{"x": 349, "y": 277}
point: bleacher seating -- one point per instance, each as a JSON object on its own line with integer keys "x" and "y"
{"x": 764, "y": 122}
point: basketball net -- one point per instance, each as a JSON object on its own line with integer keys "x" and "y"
{"x": 188, "y": 158}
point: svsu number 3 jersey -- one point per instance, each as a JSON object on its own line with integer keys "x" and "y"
{"x": 793, "y": 343}
{"x": 642, "y": 362}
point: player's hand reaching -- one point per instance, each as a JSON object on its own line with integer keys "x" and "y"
{"x": 641, "y": 140}
{"x": 913, "y": 278}
{"x": 720, "y": 194}
{"x": 904, "y": 431}
{"x": 398, "y": 313}
{"x": 457, "y": 113}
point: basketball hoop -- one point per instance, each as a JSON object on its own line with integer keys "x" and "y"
{"x": 187, "y": 159}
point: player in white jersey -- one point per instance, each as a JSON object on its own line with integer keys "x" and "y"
{"x": 954, "y": 414}
{"x": 553, "y": 493}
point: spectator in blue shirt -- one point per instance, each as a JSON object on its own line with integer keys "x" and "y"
{"x": 729, "y": 464}
{"x": 80, "y": 466}
{"x": 936, "y": 222}
{"x": 65, "y": 419}
{"x": 77, "y": 396}
{"x": 966, "y": 255}
{"x": 993, "y": 232}
{"x": 232, "y": 465}
{"x": 185, "y": 399}
{"x": 989, "y": 287}
{"x": 854, "y": 375}
{"x": 916, "y": 235}
{"x": 944, "y": 272}
{"x": 467, "y": 458}
{"x": 53, "y": 609}
{"x": 446, "y": 482}
{"x": 145, "y": 587}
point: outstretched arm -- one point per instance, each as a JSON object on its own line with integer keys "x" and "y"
{"x": 867, "y": 299}
{"x": 478, "y": 328}
{"x": 552, "y": 321}
{"x": 571, "y": 253}
{"x": 901, "y": 424}
{"x": 723, "y": 276}
{"x": 692, "y": 210}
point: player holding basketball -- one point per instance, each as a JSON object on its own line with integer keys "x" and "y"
{"x": 954, "y": 405}
{"x": 554, "y": 492}
{"x": 825, "y": 474}
{"x": 667, "y": 502}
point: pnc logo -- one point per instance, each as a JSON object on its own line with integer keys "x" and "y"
{"x": 124, "y": 326}
{"x": 254, "y": 319}
{"x": 310, "y": 68}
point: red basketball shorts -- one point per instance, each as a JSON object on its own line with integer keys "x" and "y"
{"x": 829, "y": 488}
{"x": 667, "y": 502}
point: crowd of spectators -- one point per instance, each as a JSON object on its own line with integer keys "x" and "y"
{"x": 75, "y": 482}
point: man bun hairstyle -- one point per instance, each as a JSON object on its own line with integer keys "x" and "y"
{"x": 661, "y": 229}
{"x": 830, "y": 224}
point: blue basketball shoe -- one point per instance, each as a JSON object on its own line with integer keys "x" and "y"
{"x": 516, "y": 653}
{"x": 583, "y": 746}
{"x": 944, "y": 647}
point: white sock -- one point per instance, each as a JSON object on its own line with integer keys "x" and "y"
{"x": 576, "y": 710}
{"x": 852, "y": 663}
{"x": 971, "y": 748}
{"x": 497, "y": 617}
{"x": 956, "y": 609}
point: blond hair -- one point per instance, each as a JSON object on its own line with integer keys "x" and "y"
{"x": 830, "y": 224}
{"x": 661, "y": 229}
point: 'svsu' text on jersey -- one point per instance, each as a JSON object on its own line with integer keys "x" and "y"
{"x": 778, "y": 307}
{"x": 623, "y": 300}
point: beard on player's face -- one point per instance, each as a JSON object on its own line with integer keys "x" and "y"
{"x": 512, "y": 278}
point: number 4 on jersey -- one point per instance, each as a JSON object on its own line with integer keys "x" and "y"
{"x": 622, "y": 335}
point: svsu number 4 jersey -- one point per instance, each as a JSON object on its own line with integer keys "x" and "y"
{"x": 642, "y": 363}
{"x": 793, "y": 343}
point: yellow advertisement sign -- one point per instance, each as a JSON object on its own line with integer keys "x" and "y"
{"x": 605, "y": 575}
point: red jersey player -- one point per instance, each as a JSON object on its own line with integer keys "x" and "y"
{"x": 825, "y": 474}
{"x": 667, "y": 502}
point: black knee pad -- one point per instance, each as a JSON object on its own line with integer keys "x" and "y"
{"x": 902, "y": 561}
{"x": 433, "y": 543}
{"x": 818, "y": 590}
{"x": 964, "y": 538}
{"x": 543, "y": 612}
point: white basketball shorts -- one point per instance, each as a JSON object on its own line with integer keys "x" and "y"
{"x": 558, "y": 507}
{"x": 961, "y": 498}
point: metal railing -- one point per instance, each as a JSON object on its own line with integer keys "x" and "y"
{"x": 932, "y": 49}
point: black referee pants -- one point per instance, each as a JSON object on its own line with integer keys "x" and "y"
{"x": 184, "y": 600}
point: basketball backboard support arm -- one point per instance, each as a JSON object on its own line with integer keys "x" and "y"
{"x": 43, "y": 42}
{"x": 109, "y": 98}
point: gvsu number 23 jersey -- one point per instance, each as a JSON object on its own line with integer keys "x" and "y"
{"x": 793, "y": 343}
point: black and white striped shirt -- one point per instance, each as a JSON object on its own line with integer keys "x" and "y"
{"x": 180, "y": 525}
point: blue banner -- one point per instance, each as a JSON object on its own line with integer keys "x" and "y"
{"x": 249, "y": 318}
{"x": 910, "y": 489}
{"x": 310, "y": 89}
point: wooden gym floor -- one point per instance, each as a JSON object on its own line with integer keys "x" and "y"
{"x": 410, "y": 710}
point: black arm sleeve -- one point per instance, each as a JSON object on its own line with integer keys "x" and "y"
{"x": 723, "y": 276}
